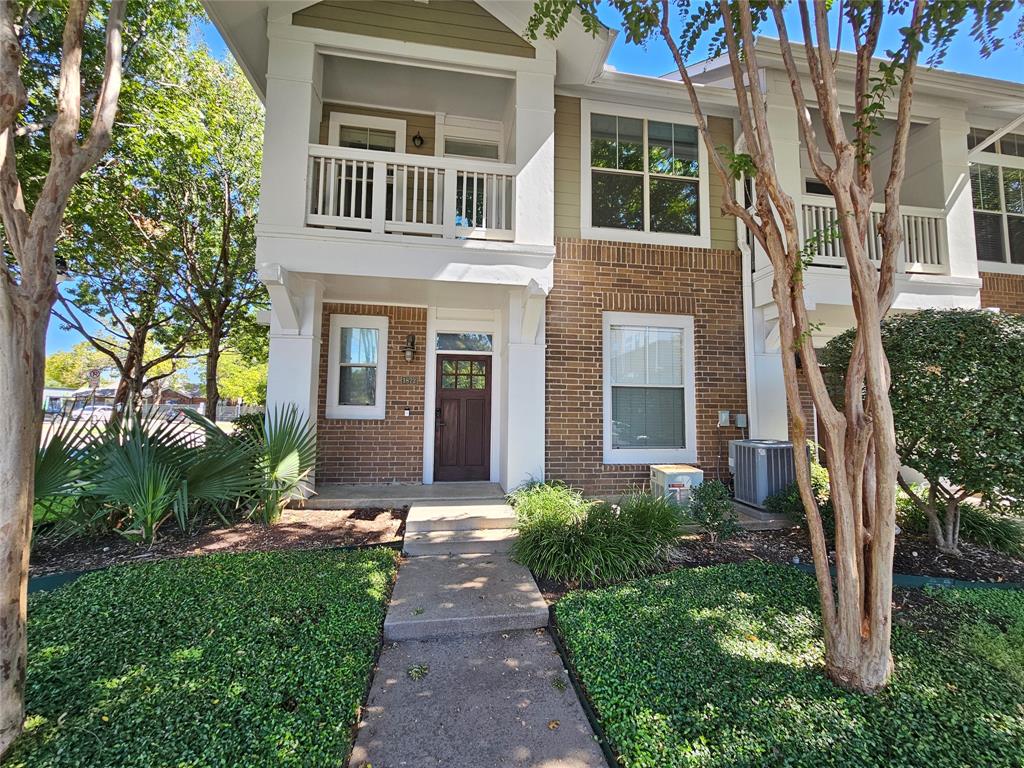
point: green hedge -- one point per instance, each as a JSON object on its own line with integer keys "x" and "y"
{"x": 723, "y": 667}
{"x": 226, "y": 660}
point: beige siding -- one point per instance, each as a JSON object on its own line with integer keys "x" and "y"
{"x": 723, "y": 226}
{"x": 451, "y": 24}
{"x": 567, "y": 175}
{"x": 567, "y": 166}
{"x": 414, "y": 122}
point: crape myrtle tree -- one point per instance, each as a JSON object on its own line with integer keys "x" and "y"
{"x": 957, "y": 396}
{"x": 61, "y": 68}
{"x": 859, "y": 437}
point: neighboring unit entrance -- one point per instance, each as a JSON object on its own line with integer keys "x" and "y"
{"x": 462, "y": 424}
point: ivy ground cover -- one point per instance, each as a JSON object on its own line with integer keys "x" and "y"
{"x": 256, "y": 659}
{"x": 723, "y": 666}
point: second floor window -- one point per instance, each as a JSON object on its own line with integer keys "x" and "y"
{"x": 644, "y": 175}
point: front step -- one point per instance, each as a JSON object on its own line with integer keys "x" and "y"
{"x": 465, "y": 595}
{"x": 459, "y": 516}
{"x": 470, "y": 542}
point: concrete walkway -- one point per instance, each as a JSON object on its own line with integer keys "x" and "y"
{"x": 470, "y": 678}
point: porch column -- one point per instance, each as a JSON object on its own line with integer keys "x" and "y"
{"x": 772, "y": 415}
{"x": 293, "y": 370}
{"x": 293, "y": 115}
{"x": 956, "y": 189}
{"x": 523, "y": 454}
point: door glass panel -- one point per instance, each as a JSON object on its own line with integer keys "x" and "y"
{"x": 447, "y": 366}
{"x": 464, "y": 366}
{"x": 464, "y": 342}
{"x": 478, "y": 382}
{"x": 447, "y": 381}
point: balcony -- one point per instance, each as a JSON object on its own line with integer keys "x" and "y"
{"x": 924, "y": 249}
{"x": 395, "y": 193}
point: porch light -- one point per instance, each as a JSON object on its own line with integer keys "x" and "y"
{"x": 417, "y": 140}
{"x": 410, "y": 347}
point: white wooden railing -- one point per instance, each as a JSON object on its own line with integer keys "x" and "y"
{"x": 924, "y": 236}
{"x": 410, "y": 194}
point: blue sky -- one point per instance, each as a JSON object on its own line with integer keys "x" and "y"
{"x": 1006, "y": 64}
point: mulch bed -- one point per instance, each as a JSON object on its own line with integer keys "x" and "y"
{"x": 914, "y": 556}
{"x": 297, "y": 529}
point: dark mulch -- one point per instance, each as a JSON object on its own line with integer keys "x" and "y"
{"x": 297, "y": 529}
{"x": 914, "y": 556}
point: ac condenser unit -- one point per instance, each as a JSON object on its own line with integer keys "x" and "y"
{"x": 762, "y": 469}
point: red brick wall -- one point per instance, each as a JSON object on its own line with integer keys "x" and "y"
{"x": 1003, "y": 291}
{"x": 592, "y": 277}
{"x": 389, "y": 450}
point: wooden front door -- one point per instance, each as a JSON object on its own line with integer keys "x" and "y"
{"x": 462, "y": 420}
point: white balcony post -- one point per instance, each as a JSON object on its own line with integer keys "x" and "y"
{"x": 534, "y": 212}
{"x": 786, "y": 145}
{"x": 961, "y": 251}
{"x": 380, "y": 196}
{"x": 293, "y": 115}
{"x": 449, "y": 202}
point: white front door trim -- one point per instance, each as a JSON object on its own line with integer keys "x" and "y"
{"x": 461, "y": 321}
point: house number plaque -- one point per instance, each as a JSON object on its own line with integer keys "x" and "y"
{"x": 409, "y": 380}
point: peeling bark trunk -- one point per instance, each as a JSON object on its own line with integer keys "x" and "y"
{"x": 22, "y": 359}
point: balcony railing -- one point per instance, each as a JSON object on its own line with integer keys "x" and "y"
{"x": 924, "y": 236}
{"x": 388, "y": 192}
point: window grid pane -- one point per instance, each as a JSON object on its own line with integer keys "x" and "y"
{"x": 985, "y": 187}
{"x": 358, "y": 345}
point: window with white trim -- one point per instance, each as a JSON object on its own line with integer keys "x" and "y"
{"x": 997, "y": 189}
{"x": 649, "y": 398}
{"x": 644, "y": 175}
{"x": 357, "y": 367}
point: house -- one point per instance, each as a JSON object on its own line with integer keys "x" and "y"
{"x": 494, "y": 258}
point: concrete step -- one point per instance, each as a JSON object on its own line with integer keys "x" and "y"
{"x": 442, "y": 596}
{"x": 459, "y": 516}
{"x": 482, "y": 541}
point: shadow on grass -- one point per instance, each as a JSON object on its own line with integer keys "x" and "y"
{"x": 724, "y": 666}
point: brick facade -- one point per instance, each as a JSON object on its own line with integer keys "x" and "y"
{"x": 1003, "y": 291}
{"x": 389, "y": 450}
{"x": 592, "y": 277}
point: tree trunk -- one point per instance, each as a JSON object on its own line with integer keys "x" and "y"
{"x": 946, "y": 537}
{"x": 212, "y": 363}
{"x": 22, "y": 356}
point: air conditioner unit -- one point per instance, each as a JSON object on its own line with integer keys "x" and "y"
{"x": 762, "y": 469}
{"x": 675, "y": 481}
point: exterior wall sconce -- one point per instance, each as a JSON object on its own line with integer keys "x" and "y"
{"x": 410, "y": 347}
{"x": 417, "y": 140}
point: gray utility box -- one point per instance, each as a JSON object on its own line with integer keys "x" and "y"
{"x": 761, "y": 468}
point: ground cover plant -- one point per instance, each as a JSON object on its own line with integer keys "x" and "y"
{"x": 254, "y": 659}
{"x": 724, "y": 666}
{"x": 569, "y": 539}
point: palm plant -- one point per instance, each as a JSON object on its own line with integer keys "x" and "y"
{"x": 287, "y": 458}
{"x": 61, "y": 465}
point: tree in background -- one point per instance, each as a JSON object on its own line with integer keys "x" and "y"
{"x": 242, "y": 380}
{"x": 856, "y": 607}
{"x": 61, "y": 72}
{"x": 210, "y": 150}
{"x": 958, "y": 402}
{"x": 71, "y": 367}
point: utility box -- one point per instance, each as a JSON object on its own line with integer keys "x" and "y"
{"x": 674, "y": 481}
{"x": 762, "y": 468}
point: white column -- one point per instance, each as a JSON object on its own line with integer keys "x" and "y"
{"x": 771, "y": 418}
{"x": 294, "y": 111}
{"x": 535, "y": 158}
{"x": 956, "y": 189}
{"x": 523, "y": 454}
{"x": 293, "y": 370}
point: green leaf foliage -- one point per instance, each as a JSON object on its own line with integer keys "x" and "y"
{"x": 711, "y": 507}
{"x": 724, "y": 667}
{"x": 568, "y": 539}
{"x": 957, "y": 395}
{"x": 226, "y": 660}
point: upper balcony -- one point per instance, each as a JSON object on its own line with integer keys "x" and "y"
{"x": 392, "y": 166}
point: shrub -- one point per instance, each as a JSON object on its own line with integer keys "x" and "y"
{"x": 257, "y": 659}
{"x": 711, "y": 507}
{"x": 249, "y": 426}
{"x": 789, "y": 503}
{"x": 979, "y": 525}
{"x": 565, "y": 538}
{"x": 957, "y": 396}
